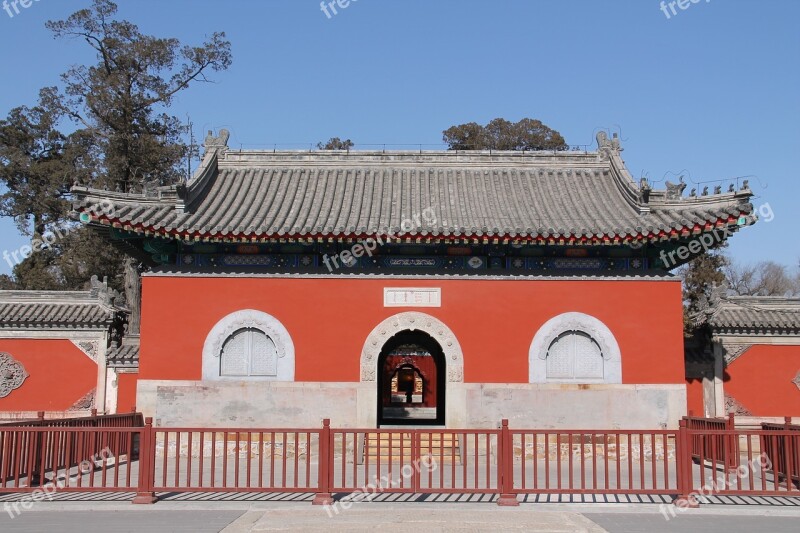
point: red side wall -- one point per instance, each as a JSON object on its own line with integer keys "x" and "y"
{"x": 694, "y": 396}
{"x": 329, "y": 320}
{"x": 126, "y": 392}
{"x": 761, "y": 380}
{"x": 59, "y": 375}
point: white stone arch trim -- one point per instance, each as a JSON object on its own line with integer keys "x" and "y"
{"x": 573, "y": 321}
{"x": 248, "y": 318}
{"x": 412, "y": 321}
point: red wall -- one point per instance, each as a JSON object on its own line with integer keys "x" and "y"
{"x": 694, "y": 396}
{"x": 59, "y": 375}
{"x": 761, "y": 380}
{"x": 126, "y": 392}
{"x": 329, "y": 320}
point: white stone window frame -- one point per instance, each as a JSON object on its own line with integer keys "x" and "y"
{"x": 248, "y": 319}
{"x": 574, "y": 321}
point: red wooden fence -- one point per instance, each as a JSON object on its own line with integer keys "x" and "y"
{"x": 705, "y": 445}
{"x": 783, "y": 453}
{"x": 689, "y": 463}
{"x": 58, "y": 450}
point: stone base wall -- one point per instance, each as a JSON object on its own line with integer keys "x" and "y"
{"x": 599, "y": 407}
{"x": 197, "y": 404}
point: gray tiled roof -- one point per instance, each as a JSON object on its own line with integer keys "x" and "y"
{"x": 581, "y": 197}
{"x": 760, "y": 313}
{"x": 57, "y": 309}
{"x": 124, "y": 355}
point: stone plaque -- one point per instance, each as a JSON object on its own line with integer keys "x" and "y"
{"x": 408, "y": 297}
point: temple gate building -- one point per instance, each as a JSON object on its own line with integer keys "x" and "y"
{"x": 426, "y": 288}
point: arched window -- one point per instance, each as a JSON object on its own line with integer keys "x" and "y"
{"x": 574, "y": 348}
{"x": 575, "y": 356}
{"x": 249, "y": 352}
{"x": 248, "y": 345}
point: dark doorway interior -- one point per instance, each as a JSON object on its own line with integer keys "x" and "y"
{"x": 411, "y": 380}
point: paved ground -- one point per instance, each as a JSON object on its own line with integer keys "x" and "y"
{"x": 236, "y": 516}
{"x": 151, "y": 521}
{"x": 655, "y": 523}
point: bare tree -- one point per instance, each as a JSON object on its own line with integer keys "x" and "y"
{"x": 797, "y": 279}
{"x": 765, "y": 278}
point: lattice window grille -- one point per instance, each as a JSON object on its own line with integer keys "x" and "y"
{"x": 575, "y": 356}
{"x": 249, "y": 352}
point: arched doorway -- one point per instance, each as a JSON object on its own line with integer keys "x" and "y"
{"x": 452, "y": 372}
{"x": 411, "y": 380}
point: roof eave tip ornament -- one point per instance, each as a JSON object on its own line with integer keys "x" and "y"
{"x": 644, "y": 190}
{"x": 675, "y": 190}
{"x": 719, "y": 292}
{"x": 100, "y": 290}
{"x": 218, "y": 143}
{"x": 606, "y": 146}
{"x": 746, "y": 187}
{"x": 707, "y": 305}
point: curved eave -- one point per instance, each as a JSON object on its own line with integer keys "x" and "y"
{"x": 754, "y": 330}
{"x": 634, "y": 238}
{"x": 69, "y": 326}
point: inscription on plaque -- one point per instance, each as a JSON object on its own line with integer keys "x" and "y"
{"x": 405, "y": 297}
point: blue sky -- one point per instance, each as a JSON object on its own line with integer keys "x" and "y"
{"x": 712, "y": 92}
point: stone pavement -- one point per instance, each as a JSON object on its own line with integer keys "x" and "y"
{"x": 244, "y": 516}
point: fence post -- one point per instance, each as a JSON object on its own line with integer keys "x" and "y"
{"x": 505, "y": 460}
{"x": 323, "y": 496}
{"x": 792, "y": 456}
{"x": 147, "y": 452}
{"x": 36, "y": 442}
{"x": 733, "y": 444}
{"x": 683, "y": 455}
